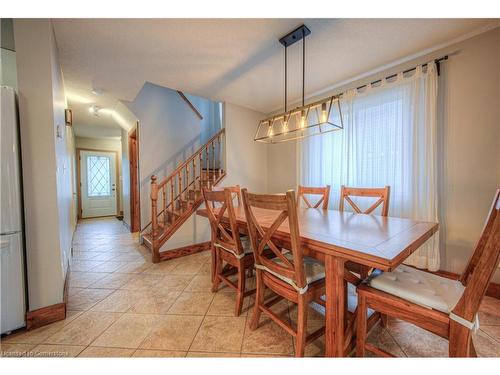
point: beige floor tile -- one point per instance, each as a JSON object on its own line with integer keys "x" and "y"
{"x": 144, "y": 282}
{"x": 485, "y": 345}
{"x": 188, "y": 266}
{"x": 100, "y": 352}
{"x": 206, "y": 269}
{"x": 220, "y": 334}
{"x": 162, "y": 268}
{"x": 108, "y": 266}
{"x": 113, "y": 281}
{"x": 84, "y": 329}
{"x": 14, "y": 350}
{"x": 381, "y": 338}
{"x": 175, "y": 282}
{"x": 268, "y": 338}
{"x": 417, "y": 342}
{"x": 127, "y": 332}
{"x": 87, "y": 298}
{"x": 84, "y": 279}
{"x": 191, "y": 303}
{"x": 158, "y": 353}
{"x": 105, "y": 256}
{"x": 84, "y": 265}
{"x": 224, "y": 304}
{"x": 86, "y": 255}
{"x": 56, "y": 351}
{"x": 489, "y": 312}
{"x": 134, "y": 267}
{"x": 315, "y": 348}
{"x": 212, "y": 355}
{"x": 74, "y": 291}
{"x": 492, "y": 331}
{"x": 119, "y": 301}
{"x": 154, "y": 304}
{"x": 37, "y": 336}
{"x": 172, "y": 332}
{"x": 200, "y": 283}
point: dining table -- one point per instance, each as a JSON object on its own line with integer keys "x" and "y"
{"x": 342, "y": 240}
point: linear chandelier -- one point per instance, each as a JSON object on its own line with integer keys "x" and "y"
{"x": 320, "y": 117}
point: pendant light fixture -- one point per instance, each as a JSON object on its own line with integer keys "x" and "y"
{"x": 316, "y": 118}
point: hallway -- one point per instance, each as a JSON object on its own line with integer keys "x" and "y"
{"x": 120, "y": 305}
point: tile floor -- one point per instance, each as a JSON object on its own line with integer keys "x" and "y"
{"x": 122, "y": 305}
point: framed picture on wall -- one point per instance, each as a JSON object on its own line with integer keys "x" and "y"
{"x": 68, "y": 114}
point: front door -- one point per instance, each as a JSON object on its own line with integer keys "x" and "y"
{"x": 98, "y": 183}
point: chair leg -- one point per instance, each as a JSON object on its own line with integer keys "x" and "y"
{"x": 241, "y": 289}
{"x": 361, "y": 326}
{"x": 259, "y": 299}
{"x": 218, "y": 269}
{"x": 460, "y": 341}
{"x": 300, "y": 339}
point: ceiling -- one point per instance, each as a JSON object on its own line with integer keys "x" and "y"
{"x": 234, "y": 60}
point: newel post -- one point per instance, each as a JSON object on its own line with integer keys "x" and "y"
{"x": 154, "y": 219}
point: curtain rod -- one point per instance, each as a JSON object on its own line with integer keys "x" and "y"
{"x": 437, "y": 61}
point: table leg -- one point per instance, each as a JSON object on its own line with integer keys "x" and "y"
{"x": 335, "y": 306}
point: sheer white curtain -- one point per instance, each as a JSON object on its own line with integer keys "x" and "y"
{"x": 389, "y": 138}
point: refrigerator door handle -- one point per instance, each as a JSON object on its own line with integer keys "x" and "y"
{"x": 9, "y": 233}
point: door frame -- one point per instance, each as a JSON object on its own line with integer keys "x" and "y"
{"x": 135, "y": 191}
{"x": 79, "y": 180}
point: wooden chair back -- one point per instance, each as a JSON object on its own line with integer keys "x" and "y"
{"x": 235, "y": 191}
{"x": 285, "y": 205}
{"x": 217, "y": 203}
{"x": 482, "y": 264}
{"x": 324, "y": 192}
{"x": 381, "y": 193}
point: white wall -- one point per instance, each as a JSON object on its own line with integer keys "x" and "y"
{"x": 46, "y": 148}
{"x": 470, "y": 135}
{"x": 247, "y": 161}
{"x": 169, "y": 132}
{"x": 106, "y": 144}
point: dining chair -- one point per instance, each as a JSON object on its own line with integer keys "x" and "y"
{"x": 446, "y": 307}
{"x": 235, "y": 191}
{"x": 323, "y": 192}
{"x": 227, "y": 246}
{"x": 381, "y": 193}
{"x": 289, "y": 274}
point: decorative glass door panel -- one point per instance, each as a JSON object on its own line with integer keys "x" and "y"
{"x": 98, "y": 183}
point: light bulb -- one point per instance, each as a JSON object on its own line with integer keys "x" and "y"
{"x": 270, "y": 131}
{"x": 285, "y": 124}
{"x": 302, "y": 118}
{"x": 323, "y": 113}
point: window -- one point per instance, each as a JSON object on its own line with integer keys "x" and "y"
{"x": 98, "y": 176}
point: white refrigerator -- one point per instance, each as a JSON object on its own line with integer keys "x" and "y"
{"x": 12, "y": 284}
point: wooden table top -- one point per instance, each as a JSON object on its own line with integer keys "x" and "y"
{"x": 371, "y": 240}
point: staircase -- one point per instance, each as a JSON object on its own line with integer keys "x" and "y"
{"x": 176, "y": 198}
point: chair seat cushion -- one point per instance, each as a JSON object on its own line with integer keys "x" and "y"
{"x": 314, "y": 270}
{"x": 420, "y": 287}
{"x": 246, "y": 244}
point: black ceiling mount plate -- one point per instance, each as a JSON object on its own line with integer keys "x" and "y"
{"x": 295, "y": 35}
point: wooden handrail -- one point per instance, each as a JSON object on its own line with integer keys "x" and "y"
{"x": 180, "y": 181}
{"x": 191, "y": 158}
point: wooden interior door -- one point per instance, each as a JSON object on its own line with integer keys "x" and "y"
{"x": 135, "y": 217}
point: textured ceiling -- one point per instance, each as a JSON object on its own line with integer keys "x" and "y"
{"x": 238, "y": 60}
